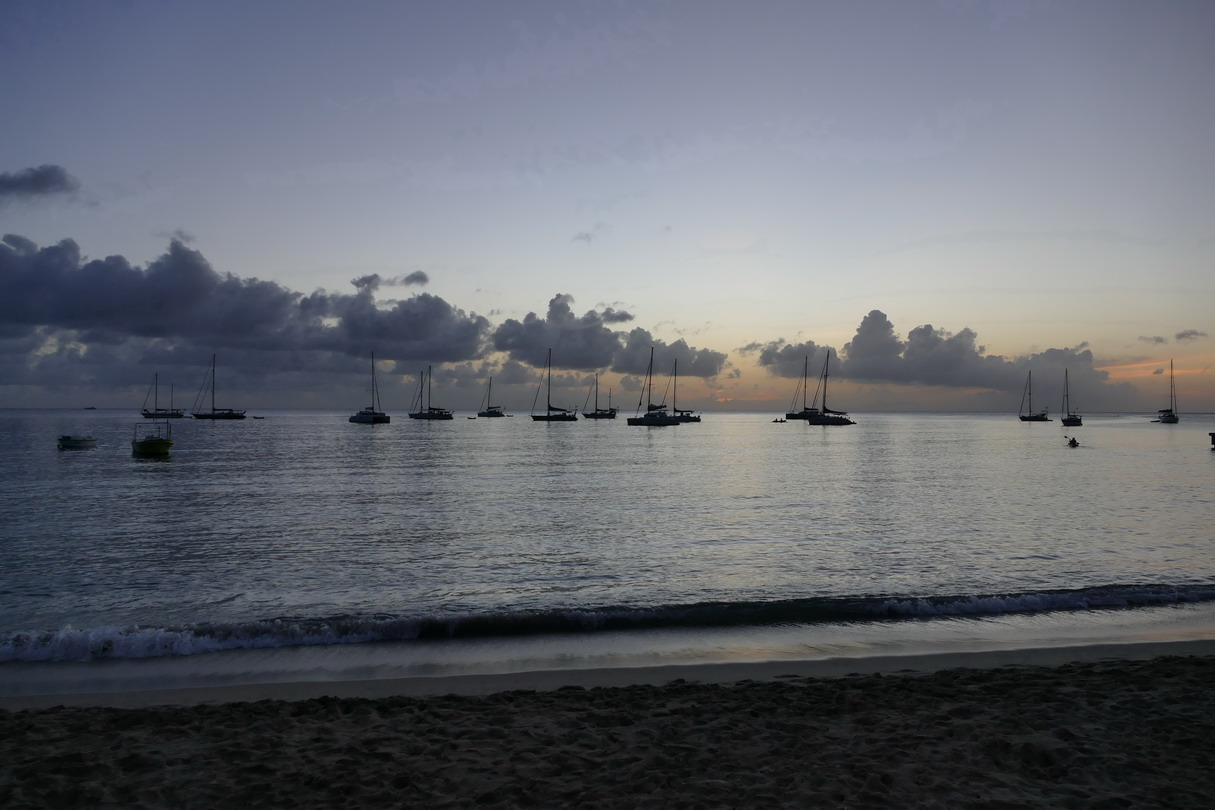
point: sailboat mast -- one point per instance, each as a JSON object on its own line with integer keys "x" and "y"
{"x": 212, "y": 383}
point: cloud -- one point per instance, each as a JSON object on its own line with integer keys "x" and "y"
{"x": 1154, "y": 339}
{"x": 42, "y": 181}
{"x": 181, "y": 301}
{"x": 1188, "y": 334}
{"x": 416, "y": 277}
{"x": 580, "y": 342}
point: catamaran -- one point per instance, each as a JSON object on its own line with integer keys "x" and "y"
{"x": 810, "y": 413}
{"x": 655, "y": 415}
{"x": 158, "y": 412}
{"x": 425, "y": 409}
{"x": 599, "y": 413}
{"x": 1168, "y": 416}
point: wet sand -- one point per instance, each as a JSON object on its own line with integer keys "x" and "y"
{"x": 1084, "y": 727}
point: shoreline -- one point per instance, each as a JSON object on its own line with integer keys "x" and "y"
{"x": 1116, "y": 725}
{"x": 556, "y": 679}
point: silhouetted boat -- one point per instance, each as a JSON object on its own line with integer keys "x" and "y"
{"x": 425, "y": 409}
{"x": 156, "y": 439}
{"x": 488, "y": 409}
{"x": 1168, "y": 415}
{"x": 1070, "y": 418}
{"x": 655, "y": 415}
{"x": 66, "y": 442}
{"x": 214, "y": 413}
{"x": 681, "y": 415}
{"x": 552, "y": 413}
{"x": 1027, "y": 412}
{"x": 372, "y": 415}
{"x": 158, "y": 412}
{"x": 812, "y": 414}
{"x": 599, "y": 413}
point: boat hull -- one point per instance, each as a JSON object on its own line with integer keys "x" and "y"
{"x": 371, "y": 418}
{"x": 554, "y": 417}
{"x": 151, "y": 446}
{"x": 164, "y": 413}
{"x": 1034, "y": 417}
{"x": 1071, "y": 421}
{"x": 77, "y": 442}
{"x": 219, "y": 414}
{"x": 599, "y": 414}
{"x": 650, "y": 420}
{"x": 490, "y": 414}
{"x": 431, "y": 415}
{"x": 1168, "y": 418}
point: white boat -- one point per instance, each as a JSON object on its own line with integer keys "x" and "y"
{"x": 654, "y": 415}
{"x": 488, "y": 409}
{"x": 551, "y": 412}
{"x": 1168, "y": 416}
{"x": 1027, "y": 412}
{"x": 77, "y": 442}
{"x": 424, "y": 409}
{"x": 598, "y": 413}
{"x": 811, "y": 413}
{"x": 215, "y": 413}
{"x": 158, "y": 412}
{"x": 152, "y": 439}
{"x": 1070, "y": 418}
{"x": 372, "y": 415}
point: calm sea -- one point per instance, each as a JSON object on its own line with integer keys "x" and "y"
{"x": 300, "y": 546}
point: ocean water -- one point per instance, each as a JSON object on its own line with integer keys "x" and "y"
{"x": 302, "y": 547}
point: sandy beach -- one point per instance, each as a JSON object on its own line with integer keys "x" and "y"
{"x": 1137, "y": 730}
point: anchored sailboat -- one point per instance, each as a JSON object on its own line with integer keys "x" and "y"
{"x": 1027, "y": 412}
{"x": 681, "y": 415}
{"x": 372, "y": 415}
{"x": 1070, "y": 418}
{"x": 214, "y": 413}
{"x": 655, "y": 415}
{"x": 811, "y": 414}
{"x": 552, "y": 413}
{"x": 158, "y": 412}
{"x": 488, "y": 409}
{"x": 1168, "y": 416}
{"x": 599, "y": 413}
{"x": 425, "y": 409}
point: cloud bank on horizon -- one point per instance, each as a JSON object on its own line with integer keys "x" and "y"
{"x": 64, "y": 317}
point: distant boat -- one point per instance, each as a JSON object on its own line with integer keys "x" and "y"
{"x": 156, "y": 439}
{"x": 1070, "y": 418}
{"x": 551, "y": 413}
{"x": 214, "y": 413}
{"x": 599, "y": 413}
{"x": 486, "y": 408}
{"x": 681, "y": 415}
{"x": 655, "y": 415}
{"x": 372, "y": 415}
{"x": 1027, "y": 412}
{"x": 77, "y": 442}
{"x": 424, "y": 409}
{"x": 811, "y": 414}
{"x": 1168, "y": 416}
{"x": 90, "y": 407}
{"x": 158, "y": 412}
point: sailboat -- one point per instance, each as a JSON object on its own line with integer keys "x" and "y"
{"x": 811, "y": 414}
{"x": 488, "y": 409}
{"x": 158, "y": 412}
{"x": 1027, "y": 412}
{"x": 552, "y": 413}
{"x": 429, "y": 411}
{"x": 655, "y": 415}
{"x": 681, "y": 415}
{"x": 599, "y": 413}
{"x": 372, "y": 415}
{"x": 1168, "y": 416}
{"x": 1070, "y": 418}
{"x": 214, "y": 413}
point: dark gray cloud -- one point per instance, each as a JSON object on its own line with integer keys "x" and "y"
{"x": 1188, "y": 335}
{"x": 1154, "y": 339}
{"x": 181, "y": 301}
{"x": 936, "y": 357}
{"x": 41, "y": 181}
{"x": 581, "y": 342}
{"x": 416, "y": 277}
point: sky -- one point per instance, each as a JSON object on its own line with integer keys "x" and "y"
{"x": 943, "y": 195}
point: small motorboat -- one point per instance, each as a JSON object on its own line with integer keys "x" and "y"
{"x": 155, "y": 439}
{"x": 77, "y": 442}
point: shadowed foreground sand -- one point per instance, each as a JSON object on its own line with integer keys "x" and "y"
{"x": 1105, "y": 734}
